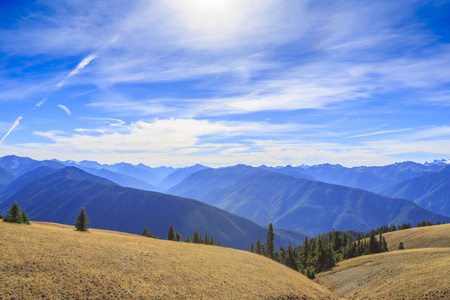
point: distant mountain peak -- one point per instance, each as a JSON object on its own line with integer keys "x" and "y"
{"x": 439, "y": 162}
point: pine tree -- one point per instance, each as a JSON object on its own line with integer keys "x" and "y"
{"x": 400, "y": 246}
{"x": 177, "y": 237}
{"x": 270, "y": 245}
{"x": 252, "y": 247}
{"x": 320, "y": 255}
{"x": 1, "y": 217}
{"x": 291, "y": 263}
{"x": 373, "y": 245}
{"x": 82, "y": 221}
{"x": 303, "y": 256}
{"x": 25, "y": 219}
{"x": 14, "y": 215}
{"x": 145, "y": 232}
{"x": 258, "y": 245}
{"x": 171, "y": 234}
{"x": 385, "y": 246}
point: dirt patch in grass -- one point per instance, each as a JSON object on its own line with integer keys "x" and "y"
{"x": 53, "y": 261}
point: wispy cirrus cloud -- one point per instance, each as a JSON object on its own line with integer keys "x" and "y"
{"x": 63, "y": 107}
{"x": 380, "y": 132}
{"x": 83, "y": 63}
{"x": 228, "y": 65}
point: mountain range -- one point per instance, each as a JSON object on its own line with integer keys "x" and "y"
{"x": 309, "y": 199}
{"x": 60, "y": 195}
{"x": 309, "y": 206}
{"x": 431, "y": 191}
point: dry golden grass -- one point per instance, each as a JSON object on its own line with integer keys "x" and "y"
{"x": 420, "y": 237}
{"x": 53, "y": 261}
{"x": 420, "y": 273}
{"x": 407, "y": 274}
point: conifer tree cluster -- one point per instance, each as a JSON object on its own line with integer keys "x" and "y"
{"x": 197, "y": 238}
{"x": 428, "y": 223}
{"x": 147, "y": 233}
{"x": 14, "y": 215}
{"x": 268, "y": 248}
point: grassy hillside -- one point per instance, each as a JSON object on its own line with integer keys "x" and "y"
{"x": 419, "y": 273}
{"x": 407, "y": 274}
{"x": 420, "y": 237}
{"x": 53, "y": 261}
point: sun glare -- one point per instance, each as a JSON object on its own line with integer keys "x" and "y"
{"x": 211, "y": 19}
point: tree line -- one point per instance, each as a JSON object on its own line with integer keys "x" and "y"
{"x": 197, "y": 237}
{"x": 323, "y": 252}
{"x": 428, "y": 223}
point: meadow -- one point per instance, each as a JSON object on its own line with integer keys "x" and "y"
{"x": 54, "y": 261}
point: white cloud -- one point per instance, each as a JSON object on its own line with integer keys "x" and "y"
{"x": 63, "y": 107}
{"x": 380, "y": 132}
{"x": 81, "y": 65}
{"x": 158, "y": 136}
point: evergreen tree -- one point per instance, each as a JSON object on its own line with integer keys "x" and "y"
{"x": 171, "y": 234}
{"x": 303, "y": 256}
{"x": 25, "y": 219}
{"x": 258, "y": 245}
{"x": 320, "y": 261}
{"x": 373, "y": 245}
{"x": 14, "y": 215}
{"x": 1, "y": 217}
{"x": 270, "y": 245}
{"x": 291, "y": 258}
{"x": 400, "y": 246}
{"x": 177, "y": 237}
{"x": 252, "y": 247}
{"x": 384, "y": 247}
{"x": 282, "y": 256}
{"x": 82, "y": 221}
{"x": 187, "y": 239}
{"x": 197, "y": 238}
{"x": 344, "y": 239}
{"x": 147, "y": 233}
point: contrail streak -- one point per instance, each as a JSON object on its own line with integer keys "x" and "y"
{"x": 12, "y": 128}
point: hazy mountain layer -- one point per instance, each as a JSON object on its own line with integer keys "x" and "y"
{"x": 59, "y": 197}
{"x": 308, "y": 206}
{"x": 430, "y": 191}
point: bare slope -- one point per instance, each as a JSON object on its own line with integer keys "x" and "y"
{"x": 422, "y": 272}
{"x": 54, "y": 261}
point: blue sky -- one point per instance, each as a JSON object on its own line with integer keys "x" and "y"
{"x": 221, "y": 82}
